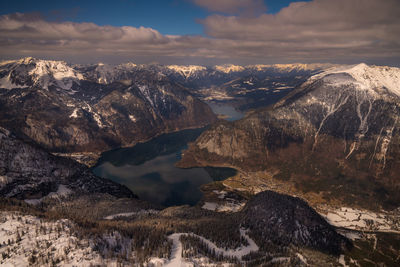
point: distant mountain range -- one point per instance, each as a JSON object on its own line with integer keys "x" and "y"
{"x": 93, "y": 108}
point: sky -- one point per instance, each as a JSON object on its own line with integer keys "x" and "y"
{"x": 202, "y": 32}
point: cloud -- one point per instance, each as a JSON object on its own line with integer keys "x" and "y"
{"x": 233, "y": 6}
{"x": 20, "y": 27}
{"x": 24, "y": 34}
{"x": 340, "y": 31}
{"x": 318, "y": 30}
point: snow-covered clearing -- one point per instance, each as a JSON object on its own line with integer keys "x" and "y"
{"x": 225, "y": 207}
{"x": 228, "y": 204}
{"x": 362, "y": 220}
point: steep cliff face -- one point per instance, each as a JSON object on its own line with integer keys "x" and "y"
{"x": 342, "y": 123}
{"x": 67, "y": 109}
{"x": 28, "y": 172}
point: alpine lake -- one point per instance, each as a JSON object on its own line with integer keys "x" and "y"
{"x": 148, "y": 169}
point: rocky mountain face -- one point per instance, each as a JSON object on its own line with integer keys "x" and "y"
{"x": 338, "y": 129}
{"x": 93, "y": 108}
{"x": 284, "y": 220}
{"x": 28, "y": 172}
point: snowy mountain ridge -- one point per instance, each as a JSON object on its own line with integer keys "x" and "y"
{"x": 366, "y": 77}
{"x": 228, "y": 68}
{"x": 37, "y": 72}
{"x": 291, "y": 67}
{"x": 27, "y": 72}
{"x": 46, "y": 73}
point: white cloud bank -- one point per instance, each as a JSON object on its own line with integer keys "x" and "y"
{"x": 321, "y": 30}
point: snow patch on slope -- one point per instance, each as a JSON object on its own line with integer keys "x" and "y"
{"x": 6, "y": 83}
{"x": 145, "y": 90}
{"x": 132, "y": 118}
{"x": 74, "y": 114}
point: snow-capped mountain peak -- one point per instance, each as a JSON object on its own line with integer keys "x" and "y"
{"x": 58, "y": 69}
{"x": 129, "y": 65}
{"x": 27, "y": 60}
{"x": 366, "y": 77}
{"x": 229, "y": 68}
{"x": 186, "y": 71}
{"x": 41, "y": 73}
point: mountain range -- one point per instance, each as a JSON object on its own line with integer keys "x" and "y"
{"x": 67, "y": 109}
{"x": 317, "y": 156}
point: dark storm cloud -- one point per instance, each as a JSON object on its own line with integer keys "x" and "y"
{"x": 321, "y": 30}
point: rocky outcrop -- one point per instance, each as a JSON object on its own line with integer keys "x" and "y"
{"x": 340, "y": 124}
{"x": 284, "y": 220}
{"x": 28, "y": 172}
